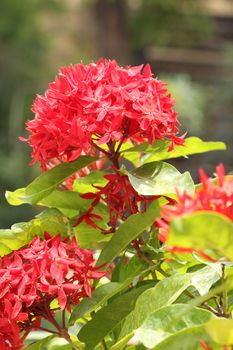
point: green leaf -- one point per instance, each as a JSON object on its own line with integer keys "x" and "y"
{"x": 46, "y": 183}
{"x": 169, "y": 320}
{"x": 105, "y": 292}
{"x": 187, "y": 339}
{"x": 40, "y": 345}
{"x": 128, "y": 231}
{"x": 159, "y": 149}
{"x": 107, "y": 318}
{"x": 14, "y": 198}
{"x": 84, "y": 184}
{"x": 51, "y": 221}
{"x": 50, "y": 343}
{"x": 99, "y": 297}
{"x": 126, "y": 268}
{"x": 163, "y": 294}
{"x": 203, "y": 230}
{"x": 160, "y": 178}
{"x": 221, "y": 331}
{"x": 11, "y": 239}
{"x": 65, "y": 200}
{"x": 203, "y": 279}
{"x": 89, "y": 237}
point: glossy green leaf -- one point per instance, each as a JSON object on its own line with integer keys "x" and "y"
{"x": 46, "y": 183}
{"x": 221, "y": 331}
{"x": 107, "y": 318}
{"x": 50, "y": 343}
{"x": 106, "y": 291}
{"x": 163, "y": 294}
{"x": 12, "y": 239}
{"x": 203, "y": 279}
{"x": 128, "y": 231}
{"x": 40, "y": 344}
{"x": 169, "y": 320}
{"x": 51, "y": 220}
{"x": 98, "y": 298}
{"x": 84, "y": 184}
{"x": 89, "y": 237}
{"x": 187, "y": 339}
{"x": 159, "y": 150}
{"x": 126, "y": 268}
{"x": 203, "y": 230}
{"x": 160, "y": 178}
{"x": 65, "y": 200}
{"x": 15, "y": 197}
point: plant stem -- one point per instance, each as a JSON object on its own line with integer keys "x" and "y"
{"x": 103, "y": 345}
{"x": 223, "y": 297}
{"x": 64, "y": 318}
{"x": 47, "y": 330}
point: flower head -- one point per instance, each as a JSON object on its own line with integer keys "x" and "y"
{"x": 119, "y": 196}
{"x": 35, "y": 275}
{"x": 96, "y": 104}
{"x": 216, "y": 196}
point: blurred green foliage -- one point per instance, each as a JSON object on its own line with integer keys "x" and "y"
{"x": 168, "y": 22}
{"x": 188, "y": 94}
{"x": 23, "y": 45}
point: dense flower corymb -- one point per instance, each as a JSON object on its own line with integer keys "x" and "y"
{"x": 32, "y": 277}
{"x": 96, "y": 104}
{"x": 216, "y": 196}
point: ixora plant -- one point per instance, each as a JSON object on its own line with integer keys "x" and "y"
{"x": 127, "y": 252}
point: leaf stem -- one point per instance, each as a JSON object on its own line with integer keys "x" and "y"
{"x": 104, "y": 345}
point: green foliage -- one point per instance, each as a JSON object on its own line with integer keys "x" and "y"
{"x": 46, "y": 183}
{"x": 167, "y": 23}
{"x": 160, "y": 149}
{"x": 109, "y": 317}
{"x": 127, "y": 232}
{"x": 221, "y": 331}
{"x": 85, "y": 184}
{"x": 20, "y": 234}
{"x": 204, "y": 230}
{"x": 170, "y": 320}
{"x": 160, "y": 178}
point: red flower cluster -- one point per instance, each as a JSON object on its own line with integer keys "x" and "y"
{"x": 211, "y": 196}
{"x": 32, "y": 277}
{"x": 98, "y": 103}
{"x": 121, "y": 199}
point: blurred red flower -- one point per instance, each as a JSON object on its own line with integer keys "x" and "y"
{"x": 212, "y": 195}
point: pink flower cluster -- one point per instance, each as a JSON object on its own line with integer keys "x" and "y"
{"x": 211, "y": 196}
{"x": 33, "y": 276}
{"x": 98, "y": 103}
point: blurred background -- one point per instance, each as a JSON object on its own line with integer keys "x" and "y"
{"x": 189, "y": 44}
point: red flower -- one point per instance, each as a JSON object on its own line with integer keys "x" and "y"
{"x": 121, "y": 199}
{"x": 98, "y": 103}
{"x": 212, "y": 195}
{"x": 32, "y": 277}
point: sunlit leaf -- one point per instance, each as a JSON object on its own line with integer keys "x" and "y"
{"x": 128, "y": 231}
{"x": 108, "y": 318}
{"x": 160, "y": 178}
{"x": 203, "y": 230}
{"x": 221, "y": 331}
{"x": 46, "y": 183}
{"x": 159, "y": 149}
{"x": 169, "y": 320}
